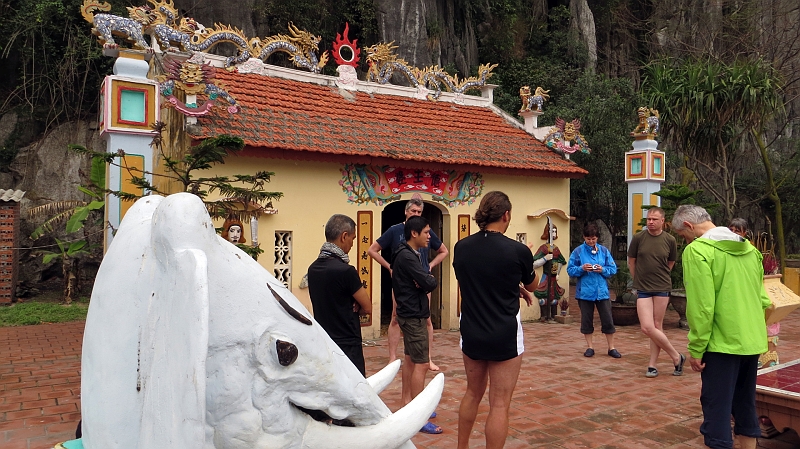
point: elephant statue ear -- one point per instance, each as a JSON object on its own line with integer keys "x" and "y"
{"x": 174, "y": 347}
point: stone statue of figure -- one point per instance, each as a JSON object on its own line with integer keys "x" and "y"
{"x": 233, "y": 231}
{"x": 549, "y": 257}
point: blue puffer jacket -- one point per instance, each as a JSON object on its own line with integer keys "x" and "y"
{"x": 591, "y": 286}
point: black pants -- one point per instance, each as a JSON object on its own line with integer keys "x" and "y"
{"x": 356, "y": 355}
{"x": 587, "y": 316}
{"x": 729, "y": 388}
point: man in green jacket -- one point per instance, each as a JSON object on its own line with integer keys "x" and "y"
{"x": 725, "y": 309}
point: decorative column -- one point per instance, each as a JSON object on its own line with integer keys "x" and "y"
{"x": 644, "y": 169}
{"x": 129, "y": 107}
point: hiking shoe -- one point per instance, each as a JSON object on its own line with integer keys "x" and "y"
{"x": 679, "y": 367}
{"x": 651, "y": 372}
{"x": 589, "y": 352}
{"x": 614, "y": 353}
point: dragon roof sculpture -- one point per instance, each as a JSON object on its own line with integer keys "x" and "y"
{"x": 565, "y": 138}
{"x": 383, "y": 61}
{"x": 193, "y": 77}
{"x": 185, "y": 34}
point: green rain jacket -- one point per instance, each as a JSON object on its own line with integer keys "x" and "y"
{"x": 725, "y": 296}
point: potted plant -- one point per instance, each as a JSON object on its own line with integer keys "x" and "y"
{"x": 623, "y": 308}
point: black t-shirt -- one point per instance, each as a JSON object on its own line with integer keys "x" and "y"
{"x": 331, "y": 285}
{"x": 489, "y": 267}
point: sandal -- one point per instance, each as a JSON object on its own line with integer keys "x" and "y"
{"x": 433, "y": 415}
{"x": 589, "y": 352}
{"x": 431, "y": 428}
{"x": 614, "y": 353}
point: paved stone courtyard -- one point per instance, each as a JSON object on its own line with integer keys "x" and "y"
{"x": 562, "y": 400}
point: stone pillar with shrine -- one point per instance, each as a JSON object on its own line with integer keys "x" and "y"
{"x": 644, "y": 169}
{"x": 129, "y": 108}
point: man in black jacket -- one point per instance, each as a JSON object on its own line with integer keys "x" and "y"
{"x": 411, "y": 284}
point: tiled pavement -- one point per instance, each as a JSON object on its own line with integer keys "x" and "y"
{"x": 562, "y": 400}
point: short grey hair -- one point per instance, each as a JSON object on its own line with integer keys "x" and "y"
{"x": 739, "y": 223}
{"x": 690, "y": 214}
{"x": 337, "y": 225}
{"x": 414, "y": 202}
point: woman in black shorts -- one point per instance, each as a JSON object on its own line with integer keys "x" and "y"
{"x": 491, "y": 270}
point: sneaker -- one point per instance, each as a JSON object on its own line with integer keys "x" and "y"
{"x": 679, "y": 367}
{"x": 651, "y": 372}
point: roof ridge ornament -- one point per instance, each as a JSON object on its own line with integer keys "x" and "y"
{"x": 565, "y": 139}
{"x": 383, "y": 61}
{"x": 192, "y": 76}
{"x": 186, "y": 34}
{"x": 529, "y": 101}
{"x": 648, "y": 124}
{"x": 343, "y": 42}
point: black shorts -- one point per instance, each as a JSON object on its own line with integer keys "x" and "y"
{"x": 415, "y": 338}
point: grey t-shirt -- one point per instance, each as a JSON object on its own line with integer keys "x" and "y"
{"x": 653, "y": 254}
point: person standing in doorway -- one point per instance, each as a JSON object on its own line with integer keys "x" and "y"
{"x": 651, "y": 256}
{"x": 337, "y": 296}
{"x": 411, "y": 283}
{"x": 493, "y": 272}
{"x": 725, "y": 303}
{"x": 391, "y": 239}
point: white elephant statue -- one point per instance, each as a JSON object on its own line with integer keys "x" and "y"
{"x": 191, "y": 344}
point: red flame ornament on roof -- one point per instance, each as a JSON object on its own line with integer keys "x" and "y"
{"x": 351, "y": 47}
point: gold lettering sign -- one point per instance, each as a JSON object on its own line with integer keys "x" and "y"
{"x": 364, "y": 226}
{"x": 463, "y": 231}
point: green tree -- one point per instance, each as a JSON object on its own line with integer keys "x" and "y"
{"x": 241, "y": 195}
{"x": 75, "y": 214}
{"x": 604, "y": 107}
{"x": 711, "y": 108}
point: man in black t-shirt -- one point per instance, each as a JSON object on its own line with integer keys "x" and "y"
{"x": 337, "y": 295}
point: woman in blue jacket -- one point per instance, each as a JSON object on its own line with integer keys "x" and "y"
{"x": 592, "y": 264}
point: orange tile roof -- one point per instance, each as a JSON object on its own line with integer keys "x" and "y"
{"x": 300, "y": 120}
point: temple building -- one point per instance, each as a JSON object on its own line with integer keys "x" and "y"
{"x": 343, "y": 145}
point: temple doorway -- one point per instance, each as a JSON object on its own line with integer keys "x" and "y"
{"x": 395, "y": 213}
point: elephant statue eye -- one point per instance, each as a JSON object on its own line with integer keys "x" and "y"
{"x": 287, "y": 352}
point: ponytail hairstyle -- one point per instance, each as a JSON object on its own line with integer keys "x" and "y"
{"x": 492, "y": 208}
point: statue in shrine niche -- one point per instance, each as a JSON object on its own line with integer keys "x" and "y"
{"x": 549, "y": 257}
{"x": 233, "y": 231}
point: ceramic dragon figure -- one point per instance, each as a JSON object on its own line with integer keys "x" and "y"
{"x": 171, "y": 33}
{"x": 529, "y": 101}
{"x": 435, "y": 77}
{"x": 191, "y": 344}
{"x": 106, "y": 26}
{"x": 301, "y": 46}
{"x": 383, "y": 61}
{"x": 648, "y": 123}
{"x": 565, "y": 138}
{"x": 192, "y": 77}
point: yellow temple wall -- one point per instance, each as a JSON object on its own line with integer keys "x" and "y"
{"x": 312, "y": 194}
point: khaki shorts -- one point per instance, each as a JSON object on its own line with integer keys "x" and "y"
{"x": 415, "y": 338}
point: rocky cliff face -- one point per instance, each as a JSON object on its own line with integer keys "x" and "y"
{"x": 430, "y": 32}
{"x": 47, "y": 171}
